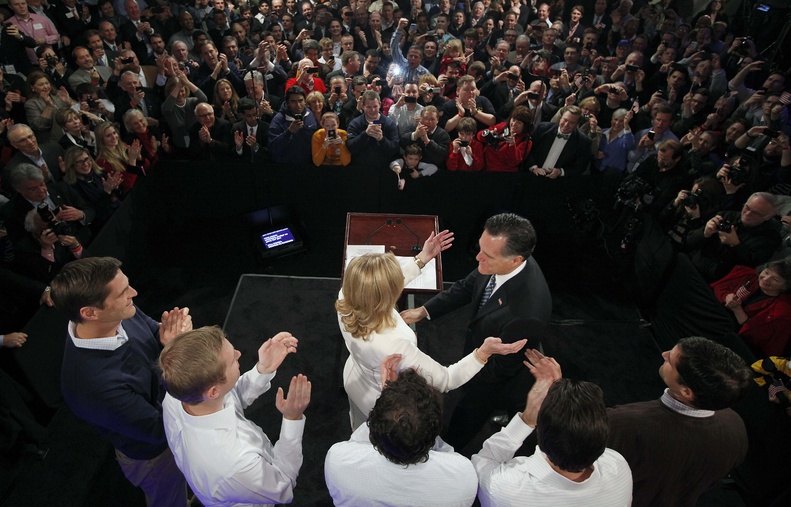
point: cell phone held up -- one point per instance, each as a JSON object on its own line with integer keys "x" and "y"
{"x": 332, "y": 134}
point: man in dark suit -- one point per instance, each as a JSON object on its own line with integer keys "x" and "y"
{"x": 250, "y": 135}
{"x": 433, "y": 140}
{"x": 559, "y": 149}
{"x": 44, "y": 156}
{"x": 503, "y": 88}
{"x": 510, "y": 299}
{"x": 209, "y": 137}
{"x": 136, "y": 30}
{"x": 134, "y": 96}
{"x": 72, "y": 19}
{"x": 65, "y": 204}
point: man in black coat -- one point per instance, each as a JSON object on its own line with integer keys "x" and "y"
{"x": 210, "y": 137}
{"x": 433, "y": 140}
{"x": 134, "y": 96}
{"x": 511, "y": 300}
{"x": 250, "y": 136}
{"x": 559, "y": 149}
{"x": 44, "y": 156}
{"x": 65, "y": 204}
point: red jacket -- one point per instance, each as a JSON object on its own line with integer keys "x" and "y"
{"x": 768, "y": 326}
{"x": 456, "y": 162}
{"x": 503, "y": 157}
{"x": 318, "y": 86}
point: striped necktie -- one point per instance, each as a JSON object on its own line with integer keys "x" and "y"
{"x": 487, "y": 292}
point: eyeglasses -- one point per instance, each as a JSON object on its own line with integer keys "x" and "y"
{"x": 83, "y": 161}
{"x": 205, "y": 115}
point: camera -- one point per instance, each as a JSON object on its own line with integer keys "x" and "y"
{"x": 127, "y": 61}
{"x": 298, "y": 117}
{"x": 493, "y": 137}
{"x": 724, "y": 225}
{"x": 337, "y": 90}
{"x": 410, "y": 100}
{"x": 332, "y": 134}
{"x": 59, "y": 227}
{"x": 138, "y": 88}
{"x": 739, "y": 174}
{"x": 693, "y": 199}
{"x": 92, "y": 103}
{"x": 436, "y": 90}
{"x": 632, "y": 68}
{"x": 313, "y": 70}
{"x": 464, "y": 144}
{"x": 512, "y": 76}
{"x": 532, "y": 96}
{"x": 651, "y": 134}
{"x": 631, "y": 191}
{"x": 589, "y": 46}
{"x": 51, "y": 60}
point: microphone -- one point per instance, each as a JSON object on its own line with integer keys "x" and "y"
{"x": 416, "y": 247}
{"x": 371, "y": 235}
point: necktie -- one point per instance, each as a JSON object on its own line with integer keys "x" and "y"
{"x": 487, "y": 293}
{"x": 562, "y": 136}
{"x": 252, "y": 132}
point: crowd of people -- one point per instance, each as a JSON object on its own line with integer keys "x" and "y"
{"x": 673, "y": 106}
{"x": 662, "y": 103}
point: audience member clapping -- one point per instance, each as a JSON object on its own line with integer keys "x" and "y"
{"x": 98, "y": 188}
{"x": 42, "y": 105}
{"x": 115, "y": 156}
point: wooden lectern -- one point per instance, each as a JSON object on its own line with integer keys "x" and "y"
{"x": 403, "y": 235}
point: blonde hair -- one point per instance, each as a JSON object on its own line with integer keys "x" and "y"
{"x": 427, "y": 78}
{"x": 191, "y": 364}
{"x": 116, "y": 157}
{"x": 454, "y": 44}
{"x": 371, "y": 286}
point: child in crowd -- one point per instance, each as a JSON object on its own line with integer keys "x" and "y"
{"x": 329, "y": 143}
{"x": 411, "y": 164}
{"x": 466, "y": 153}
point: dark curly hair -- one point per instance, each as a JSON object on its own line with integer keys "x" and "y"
{"x": 406, "y": 420}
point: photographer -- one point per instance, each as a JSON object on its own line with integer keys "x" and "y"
{"x": 772, "y": 165}
{"x": 507, "y": 144}
{"x": 52, "y": 66}
{"x": 690, "y": 210}
{"x": 64, "y": 205}
{"x": 664, "y": 174}
{"x": 42, "y": 253}
{"x": 736, "y": 239}
{"x": 13, "y": 94}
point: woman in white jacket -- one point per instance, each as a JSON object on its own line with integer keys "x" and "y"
{"x": 373, "y": 329}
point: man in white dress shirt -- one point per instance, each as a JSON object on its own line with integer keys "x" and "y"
{"x": 397, "y": 458}
{"x": 571, "y": 465}
{"x": 227, "y": 459}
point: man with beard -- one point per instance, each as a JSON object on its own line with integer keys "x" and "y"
{"x": 773, "y": 163}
